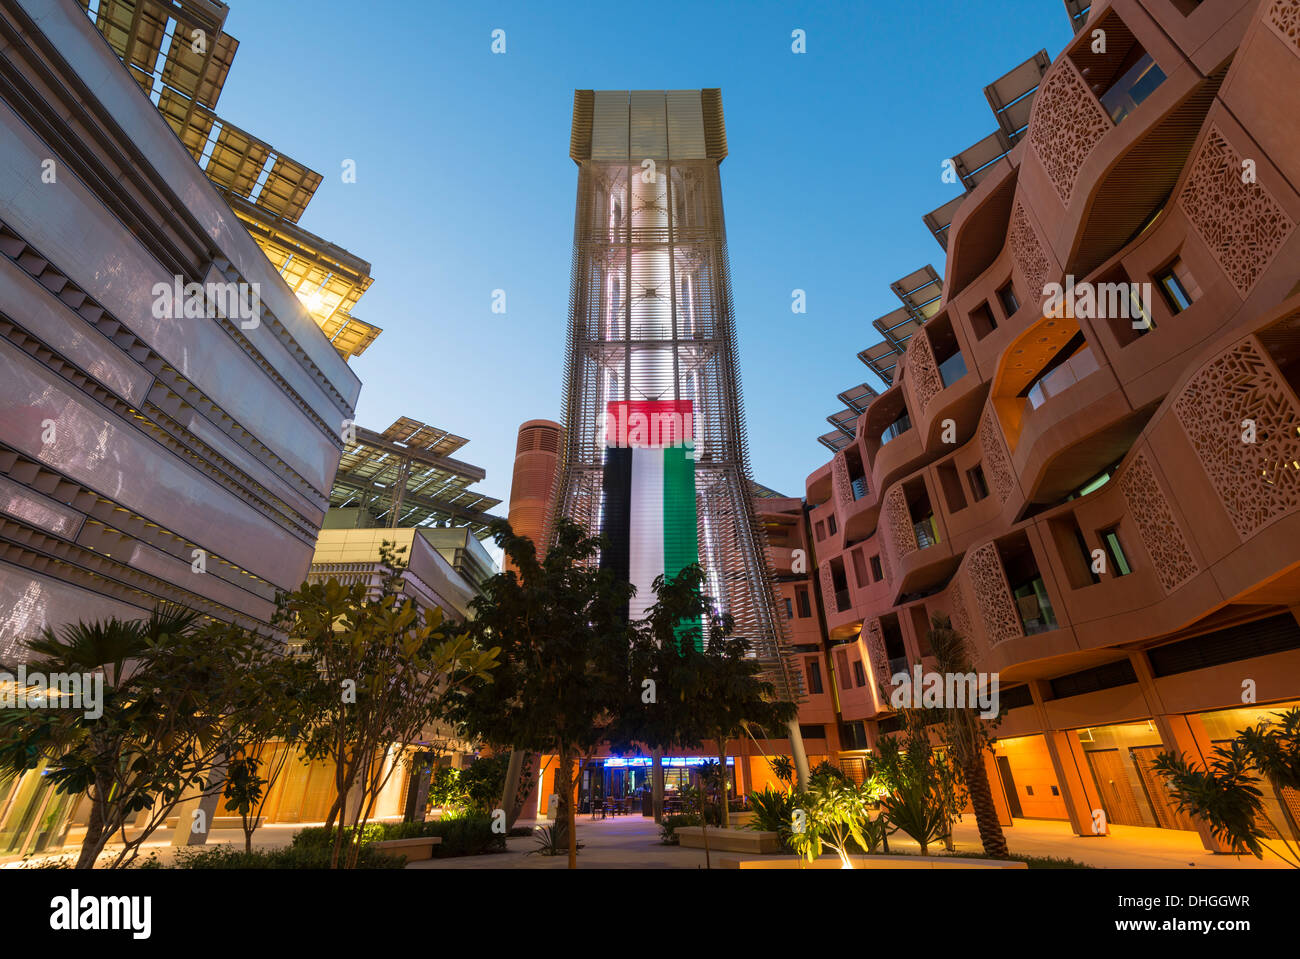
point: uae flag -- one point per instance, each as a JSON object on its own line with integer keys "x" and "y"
{"x": 649, "y": 517}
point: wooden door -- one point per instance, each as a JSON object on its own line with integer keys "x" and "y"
{"x": 1117, "y": 798}
{"x": 1162, "y": 803}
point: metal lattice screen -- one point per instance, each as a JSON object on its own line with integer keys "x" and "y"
{"x": 651, "y": 319}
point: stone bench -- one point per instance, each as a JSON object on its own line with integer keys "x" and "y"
{"x": 729, "y": 840}
{"x": 829, "y": 860}
{"x": 421, "y": 847}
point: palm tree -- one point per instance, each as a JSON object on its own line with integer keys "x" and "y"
{"x": 967, "y": 736}
{"x": 92, "y": 753}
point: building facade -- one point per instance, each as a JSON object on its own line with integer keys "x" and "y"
{"x": 171, "y": 413}
{"x": 1087, "y": 454}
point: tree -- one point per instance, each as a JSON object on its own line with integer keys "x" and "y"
{"x": 1225, "y": 793}
{"x": 705, "y": 685}
{"x": 833, "y": 813}
{"x": 385, "y": 670}
{"x": 279, "y": 719}
{"x": 561, "y": 626}
{"x": 919, "y": 785}
{"x": 177, "y": 699}
{"x": 967, "y": 736}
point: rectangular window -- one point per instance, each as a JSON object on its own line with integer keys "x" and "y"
{"x": 1086, "y": 553}
{"x": 805, "y": 610}
{"x": 789, "y": 608}
{"x": 1115, "y": 549}
{"x": 842, "y": 667}
{"x": 979, "y": 488}
{"x": 821, "y": 531}
{"x": 982, "y": 322}
{"x": 859, "y": 569}
{"x": 859, "y": 677}
{"x": 877, "y": 574}
{"x": 1141, "y": 322}
{"x": 1177, "y": 286}
{"x": 1007, "y": 297}
{"x": 832, "y": 524}
{"x": 813, "y": 670}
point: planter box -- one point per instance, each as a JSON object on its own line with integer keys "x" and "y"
{"x": 413, "y": 849}
{"x": 729, "y": 840}
{"x": 832, "y": 861}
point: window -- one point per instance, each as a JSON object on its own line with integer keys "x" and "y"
{"x": 853, "y": 735}
{"x": 812, "y": 732}
{"x": 859, "y": 676}
{"x": 1036, "y": 613}
{"x": 979, "y": 488}
{"x": 832, "y": 524}
{"x": 860, "y": 569}
{"x": 1139, "y": 312}
{"x": 1110, "y": 537}
{"x": 1007, "y": 297}
{"x": 804, "y": 609}
{"x": 982, "y": 322}
{"x": 821, "y": 531}
{"x": 1177, "y": 286}
{"x": 1087, "y": 554}
{"x": 789, "y": 608}
{"x": 1137, "y": 83}
{"x": 842, "y": 667}
{"x": 813, "y": 670}
{"x": 877, "y": 574}
{"x": 896, "y": 428}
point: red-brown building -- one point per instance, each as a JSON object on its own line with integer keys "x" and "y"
{"x": 1104, "y": 497}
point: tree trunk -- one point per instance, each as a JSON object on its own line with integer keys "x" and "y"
{"x": 986, "y": 813}
{"x": 797, "y": 753}
{"x": 725, "y": 808}
{"x": 565, "y": 786}
{"x": 657, "y": 784}
{"x": 509, "y": 795}
{"x": 95, "y": 839}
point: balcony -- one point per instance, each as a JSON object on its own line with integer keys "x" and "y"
{"x": 952, "y": 369}
{"x": 895, "y": 429}
{"x": 927, "y": 534}
{"x": 1034, "y": 607}
{"x": 1061, "y": 378}
{"x": 1137, "y": 83}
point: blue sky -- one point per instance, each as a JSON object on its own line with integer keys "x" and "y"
{"x": 464, "y": 183}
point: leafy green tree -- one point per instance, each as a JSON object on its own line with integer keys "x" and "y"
{"x": 967, "y": 736}
{"x": 178, "y": 698}
{"x": 560, "y": 623}
{"x": 919, "y": 786}
{"x": 705, "y": 687}
{"x": 1226, "y": 793}
{"x": 446, "y": 789}
{"x": 279, "y": 719}
{"x": 385, "y": 670}
{"x": 834, "y": 813}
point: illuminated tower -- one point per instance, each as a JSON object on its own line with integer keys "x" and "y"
{"x": 655, "y": 452}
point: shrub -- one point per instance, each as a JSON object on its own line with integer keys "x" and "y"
{"x": 668, "y": 828}
{"x": 290, "y": 857}
{"x": 467, "y": 835}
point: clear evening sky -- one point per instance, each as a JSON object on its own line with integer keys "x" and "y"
{"x": 464, "y": 182}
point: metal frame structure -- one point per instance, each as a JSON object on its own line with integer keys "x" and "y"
{"x": 268, "y": 191}
{"x": 672, "y": 339}
{"x": 406, "y": 477}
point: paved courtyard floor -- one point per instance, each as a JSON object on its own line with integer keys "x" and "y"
{"x": 632, "y": 842}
